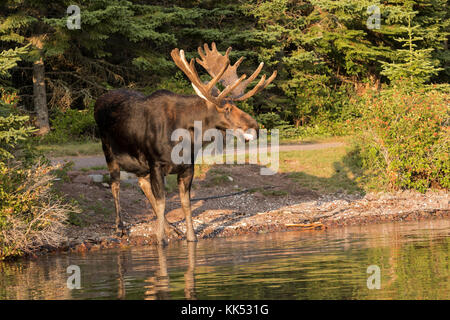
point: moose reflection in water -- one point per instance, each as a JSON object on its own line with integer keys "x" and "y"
{"x": 158, "y": 286}
{"x": 332, "y": 264}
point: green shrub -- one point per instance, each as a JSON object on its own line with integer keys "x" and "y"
{"x": 270, "y": 120}
{"x": 72, "y": 125}
{"x": 404, "y": 137}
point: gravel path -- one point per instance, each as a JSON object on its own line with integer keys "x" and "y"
{"x": 99, "y": 160}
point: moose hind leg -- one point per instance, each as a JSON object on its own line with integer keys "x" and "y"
{"x": 120, "y": 228}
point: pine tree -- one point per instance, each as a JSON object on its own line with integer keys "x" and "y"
{"x": 8, "y": 60}
{"x": 21, "y": 23}
{"x": 411, "y": 63}
{"x": 322, "y": 46}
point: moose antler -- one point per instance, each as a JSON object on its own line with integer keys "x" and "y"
{"x": 202, "y": 89}
{"x": 212, "y": 61}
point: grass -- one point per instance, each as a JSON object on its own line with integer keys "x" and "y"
{"x": 94, "y": 168}
{"x": 71, "y": 149}
{"x": 76, "y": 219}
{"x": 219, "y": 179}
{"x": 89, "y": 148}
{"x": 325, "y": 170}
{"x": 315, "y": 139}
{"x": 100, "y": 207}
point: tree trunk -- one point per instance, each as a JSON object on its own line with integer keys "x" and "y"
{"x": 40, "y": 97}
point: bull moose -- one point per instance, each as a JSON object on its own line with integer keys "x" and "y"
{"x": 136, "y": 129}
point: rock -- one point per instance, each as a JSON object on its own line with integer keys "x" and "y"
{"x": 96, "y": 177}
{"x": 230, "y": 178}
{"x": 131, "y": 181}
{"x": 123, "y": 175}
{"x": 127, "y": 176}
{"x": 258, "y": 195}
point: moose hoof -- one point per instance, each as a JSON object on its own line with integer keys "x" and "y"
{"x": 191, "y": 238}
{"x": 162, "y": 242}
{"x": 121, "y": 231}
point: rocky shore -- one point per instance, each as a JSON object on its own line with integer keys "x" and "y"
{"x": 328, "y": 211}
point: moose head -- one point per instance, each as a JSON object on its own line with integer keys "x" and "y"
{"x": 221, "y": 103}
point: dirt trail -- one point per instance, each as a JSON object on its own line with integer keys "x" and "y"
{"x": 99, "y": 160}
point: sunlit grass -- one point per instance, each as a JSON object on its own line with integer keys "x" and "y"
{"x": 71, "y": 149}
{"x": 326, "y": 170}
{"x": 95, "y": 147}
{"x": 323, "y": 170}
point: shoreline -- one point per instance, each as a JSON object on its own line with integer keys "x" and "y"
{"x": 311, "y": 216}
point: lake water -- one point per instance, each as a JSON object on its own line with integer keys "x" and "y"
{"x": 412, "y": 257}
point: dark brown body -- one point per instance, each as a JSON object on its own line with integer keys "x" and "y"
{"x": 136, "y": 137}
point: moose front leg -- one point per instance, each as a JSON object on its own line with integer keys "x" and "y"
{"x": 159, "y": 205}
{"x": 184, "y": 186}
{"x": 145, "y": 185}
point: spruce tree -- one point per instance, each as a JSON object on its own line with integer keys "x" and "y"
{"x": 410, "y": 62}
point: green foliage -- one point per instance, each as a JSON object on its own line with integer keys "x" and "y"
{"x": 320, "y": 46}
{"x": 325, "y": 54}
{"x": 323, "y": 50}
{"x": 9, "y": 59}
{"x": 412, "y": 63}
{"x": 404, "y": 137}
{"x": 13, "y": 128}
{"x": 72, "y": 125}
{"x": 270, "y": 120}
{"x": 30, "y": 215}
